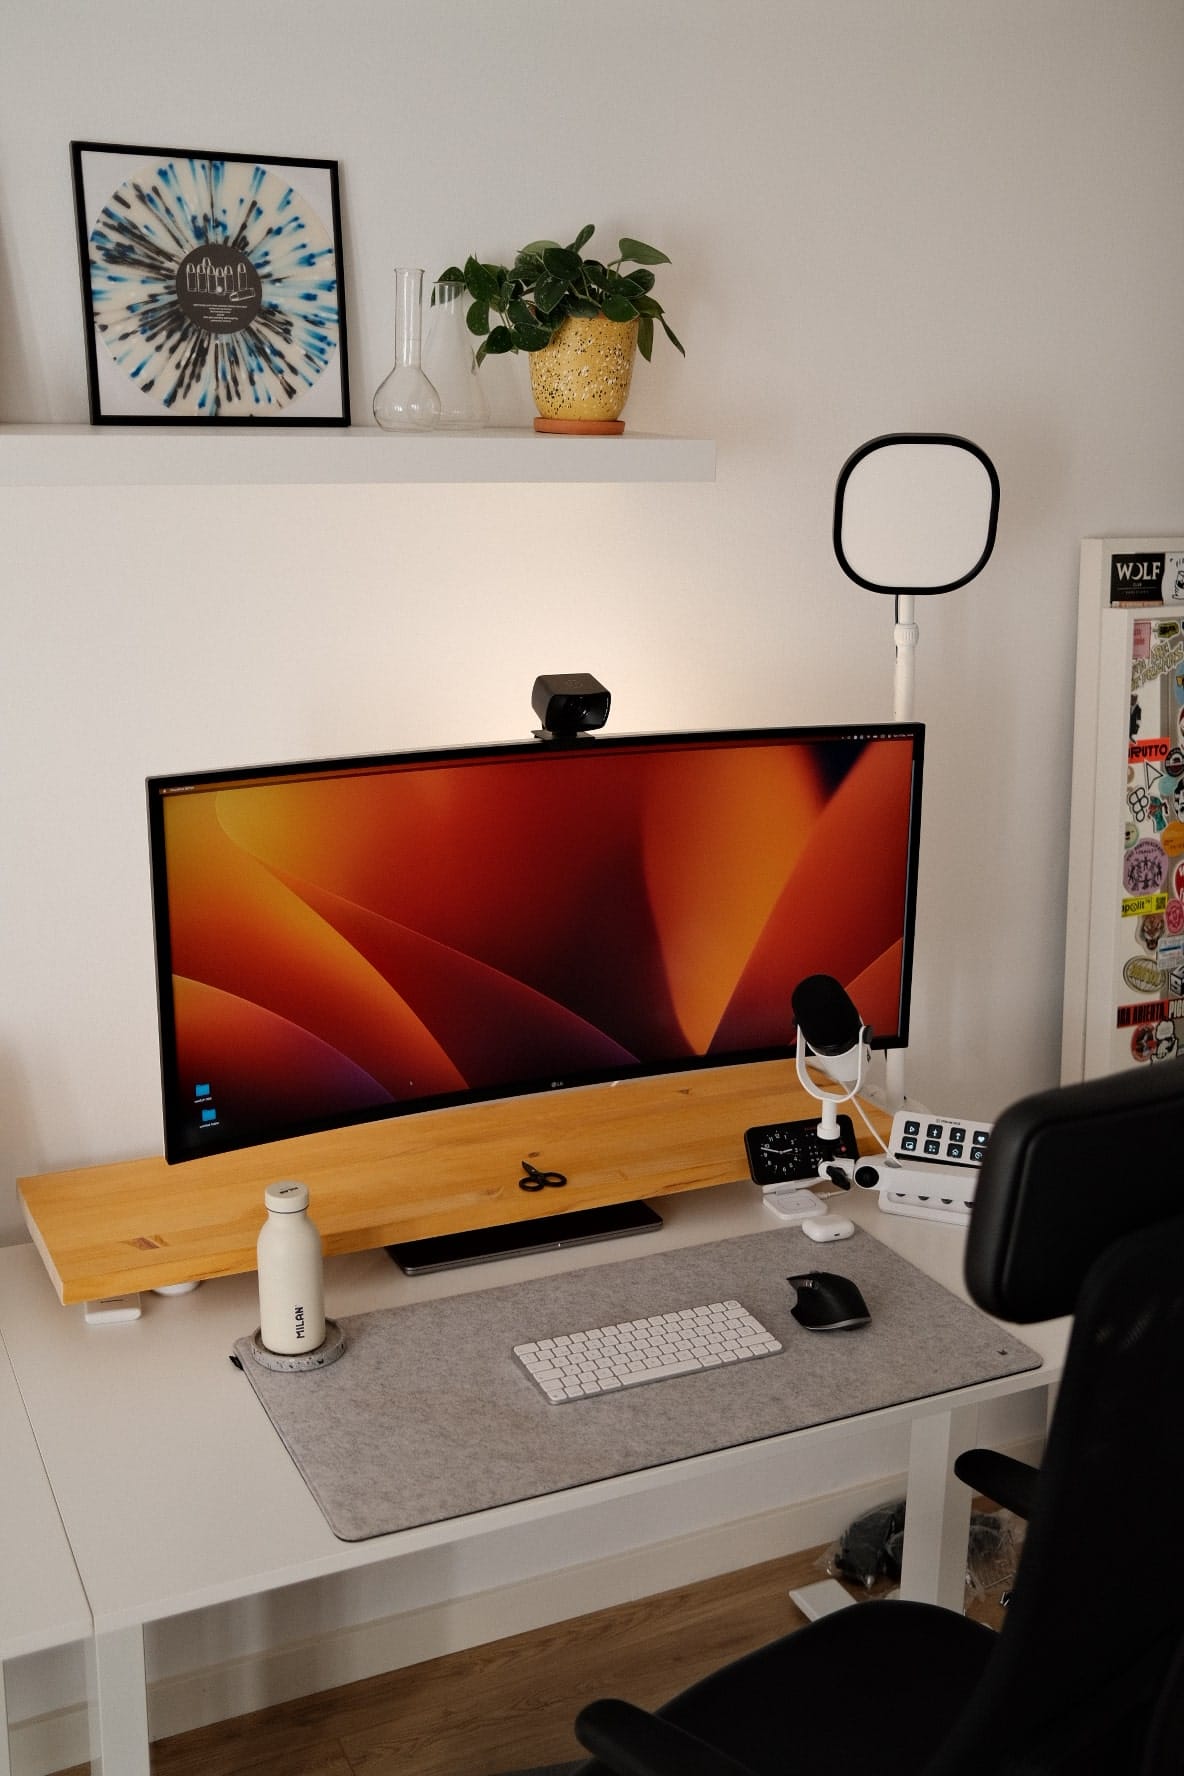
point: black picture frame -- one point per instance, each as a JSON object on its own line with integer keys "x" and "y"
{"x": 213, "y": 287}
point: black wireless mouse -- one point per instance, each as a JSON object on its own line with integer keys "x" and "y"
{"x": 826, "y": 1302}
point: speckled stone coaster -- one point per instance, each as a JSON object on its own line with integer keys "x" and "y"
{"x": 428, "y": 1415}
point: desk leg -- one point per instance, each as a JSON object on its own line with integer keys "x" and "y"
{"x": 937, "y": 1510}
{"x": 118, "y": 1698}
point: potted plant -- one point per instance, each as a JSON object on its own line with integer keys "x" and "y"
{"x": 580, "y": 319}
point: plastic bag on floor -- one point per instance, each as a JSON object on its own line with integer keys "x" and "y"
{"x": 996, "y": 1541}
{"x": 871, "y": 1547}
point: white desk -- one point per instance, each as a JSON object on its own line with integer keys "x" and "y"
{"x": 42, "y": 1603}
{"x": 177, "y": 1494}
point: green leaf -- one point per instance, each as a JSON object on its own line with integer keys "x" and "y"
{"x": 454, "y": 275}
{"x": 645, "y": 336}
{"x": 477, "y": 319}
{"x": 619, "y": 308}
{"x": 597, "y": 284}
{"x": 585, "y": 234}
{"x": 640, "y": 279}
{"x": 563, "y": 264}
{"x": 673, "y": 338}
{"x": 519, "y": 313}
{"x": 582, "y": 305}
{"x": 530, "y": 334}
{"x": 640, "y": 253}
{"x": 536, "y": 249}
{"x": 526, "y": 268}
{"x": 549, "y": 293}
{"x": 481, "y": 280}
{"x": 645, "y": 305}
{"x": 500, "y": 340}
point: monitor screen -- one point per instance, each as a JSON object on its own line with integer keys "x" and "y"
{"x": 342, "y": 941}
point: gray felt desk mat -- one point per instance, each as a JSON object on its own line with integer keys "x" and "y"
{"x": 429, "y": 1416}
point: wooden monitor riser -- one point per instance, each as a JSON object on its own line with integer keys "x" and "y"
{"x": 142, "y": 1224}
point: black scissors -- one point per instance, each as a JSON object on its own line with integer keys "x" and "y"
{"x": 533, "y": 1179}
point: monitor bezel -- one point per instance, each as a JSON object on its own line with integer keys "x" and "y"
{"x": 159, "y": 787}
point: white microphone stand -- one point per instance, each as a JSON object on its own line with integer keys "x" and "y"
{"x": 828, "y": 1126}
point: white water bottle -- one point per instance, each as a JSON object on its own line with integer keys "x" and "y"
{"x": 291, "y": 1278}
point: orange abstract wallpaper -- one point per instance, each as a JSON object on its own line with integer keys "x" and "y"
{"x": 340, "y": 943}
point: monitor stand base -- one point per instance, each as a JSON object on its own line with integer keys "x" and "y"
{"x": 548, "y": 1233}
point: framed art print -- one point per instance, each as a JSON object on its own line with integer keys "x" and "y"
{"x": 212, "y": 287}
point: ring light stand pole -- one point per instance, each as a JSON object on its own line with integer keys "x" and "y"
{"x": 915, "y": 514}
{"x": 906, "y": 634}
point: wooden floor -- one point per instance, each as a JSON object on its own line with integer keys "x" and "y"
{"x": 510, "y": 1704}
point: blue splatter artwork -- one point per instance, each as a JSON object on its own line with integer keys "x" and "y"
{"x": 214, "y": 288}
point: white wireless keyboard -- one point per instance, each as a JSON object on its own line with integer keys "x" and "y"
{"x": 577, "y": 1365}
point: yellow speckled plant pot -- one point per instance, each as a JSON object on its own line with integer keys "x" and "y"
{"x": 581, "y": 380}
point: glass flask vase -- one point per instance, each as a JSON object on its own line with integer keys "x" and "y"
{"x": 406, "y": 401}
{"x": 449, "y": 358}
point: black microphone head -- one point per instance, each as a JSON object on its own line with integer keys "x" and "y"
{"x": 825, "y": 1015}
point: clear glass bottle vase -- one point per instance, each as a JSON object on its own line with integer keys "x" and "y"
{"x": 450, "y": 360}
{"x": 406, "y": 401}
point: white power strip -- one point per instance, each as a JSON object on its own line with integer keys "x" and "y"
{"x": 931, "y": 1168}
{"x": 928, "y": 1193}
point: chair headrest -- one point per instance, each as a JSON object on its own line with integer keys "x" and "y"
{"x": 1067, "y": 1172}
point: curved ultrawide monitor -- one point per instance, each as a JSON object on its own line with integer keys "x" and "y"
{"x": 343, "y": 941}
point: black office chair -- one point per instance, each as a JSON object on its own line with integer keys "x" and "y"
{"x": 1080, "y": 1208}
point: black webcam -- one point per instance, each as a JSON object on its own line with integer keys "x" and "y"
{"x": 568, "y": 704}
